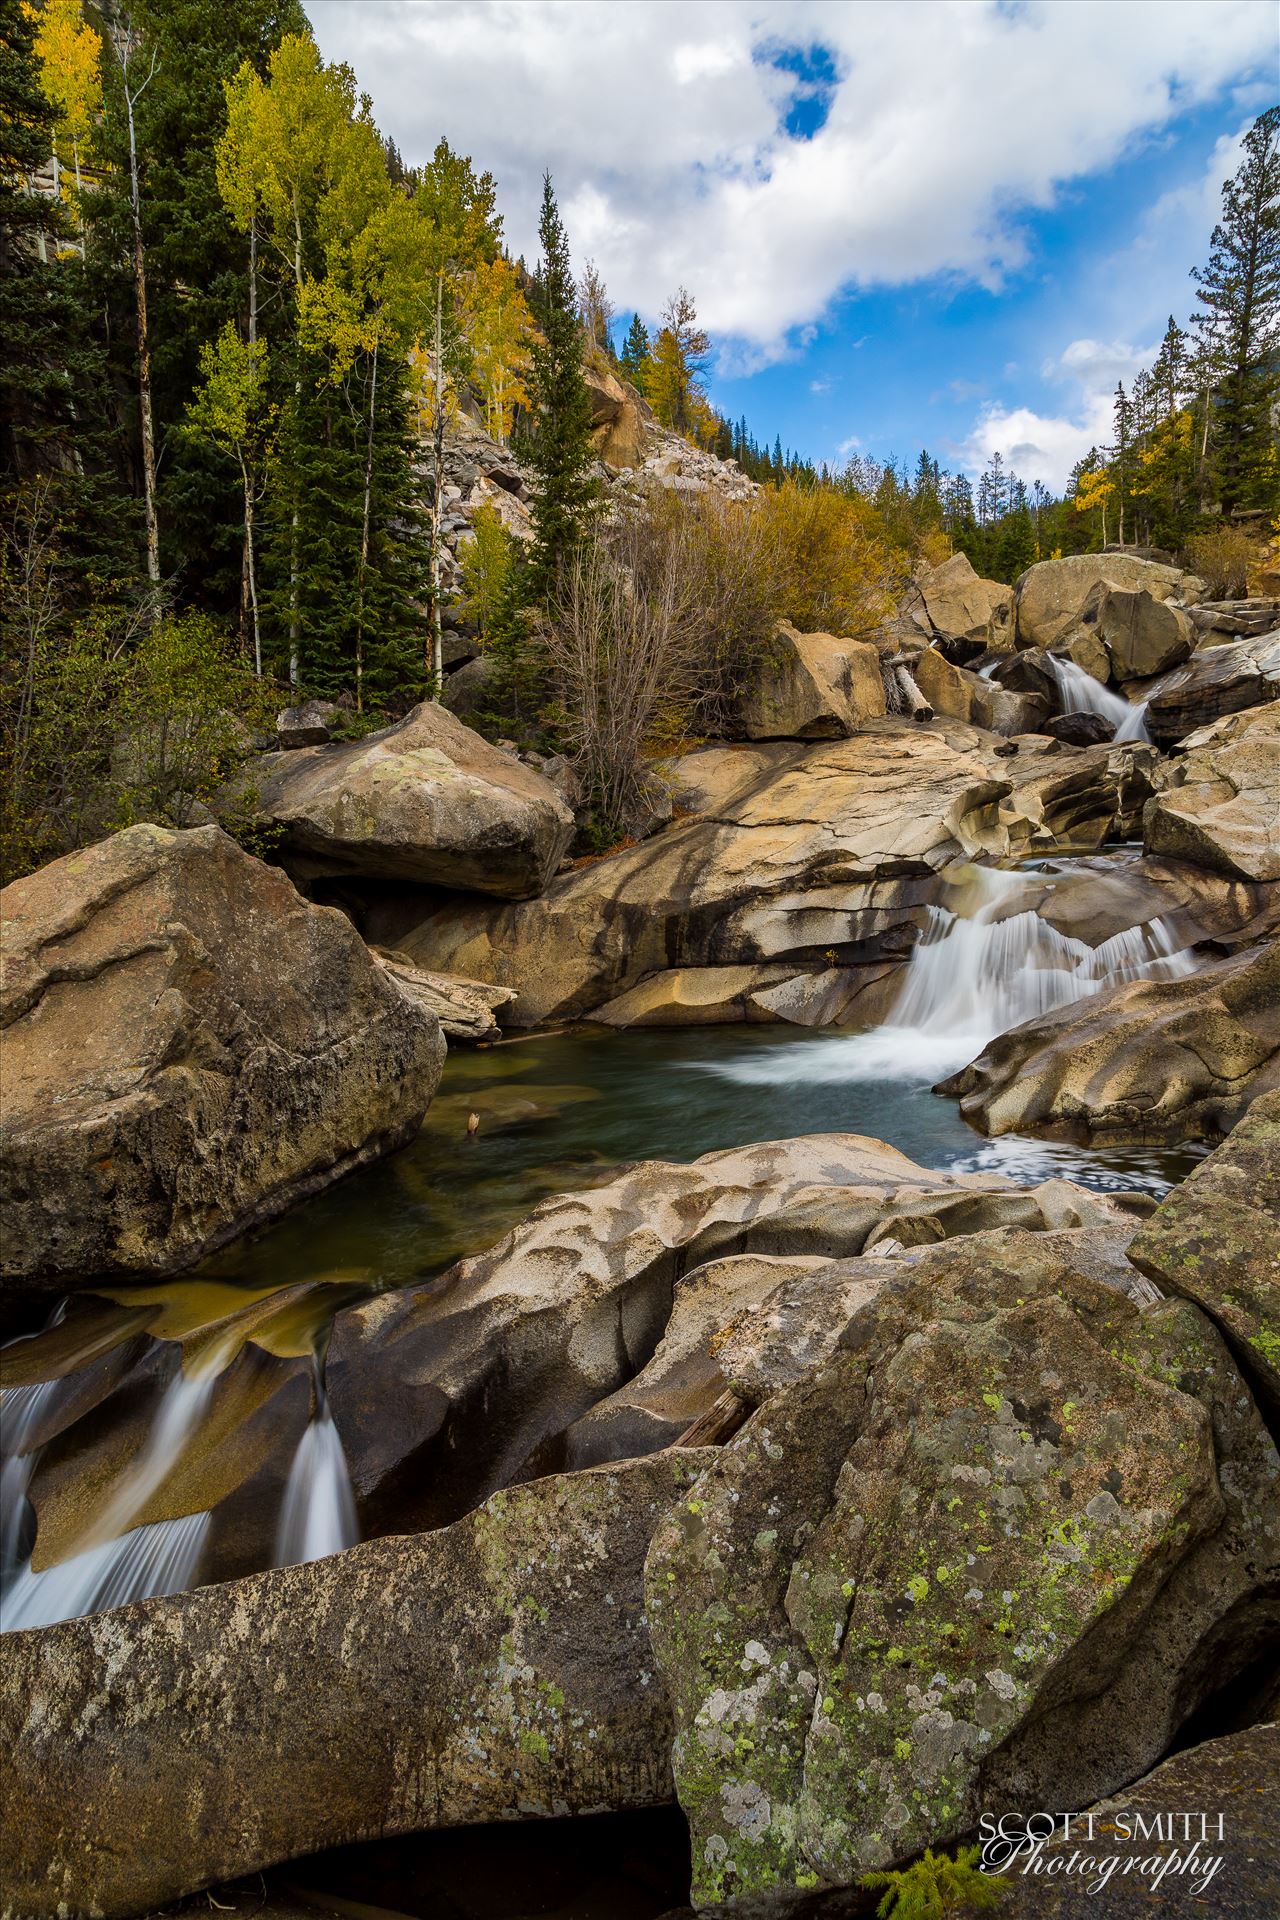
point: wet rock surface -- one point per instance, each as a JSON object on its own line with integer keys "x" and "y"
{"x": 189, "y": 1048}
{"x": 1143, "y": 1060}
{"x": 1217, "y": 680}
{"x": 821, "y": 854}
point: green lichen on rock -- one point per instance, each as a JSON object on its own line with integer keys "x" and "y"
{"x": 1216, "y": 1240}
{"x": 1007, "y": 1478}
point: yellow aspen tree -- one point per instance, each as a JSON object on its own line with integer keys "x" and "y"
{"x": 70, "y": 56}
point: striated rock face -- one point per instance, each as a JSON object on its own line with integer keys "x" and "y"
{"x": 815, "y": 687}
{"x": 821, "y": 854}
{"x": 1051, "y": 597}
{"x": 1219, "y": 804}
{"x": 496, "y": 1670}
{"x": 424, "y": 800}
{"x": 955, "y": 1571}
{"x": 1215, "y": 681}
{"x": 1216, "y": 1241}
{"x": 189, "y": 1048}
{"x": 464, "y": 1008}
{"x": 1147, "y": 1060}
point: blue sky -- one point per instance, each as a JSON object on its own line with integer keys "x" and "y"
{"x": 951, "y": 223}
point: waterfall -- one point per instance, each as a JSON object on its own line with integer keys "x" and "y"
{"x": 975, "y": 974}
{"x": 160, "y": 1558}
{"x": 318, "y": 1514}
{"x": 21, "y": 1410}
{"x": 1081, "y": 693}
{"x": 117, "y": 1560}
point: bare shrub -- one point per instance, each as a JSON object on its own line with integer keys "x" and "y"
{"x": 619, "y": 638}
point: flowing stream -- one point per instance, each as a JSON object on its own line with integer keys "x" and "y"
{"x": 318, "y": 1514}
{"x": 1081, "y": 693}
{"x": 558, "y": 1112}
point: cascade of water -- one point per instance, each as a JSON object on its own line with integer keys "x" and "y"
{"x": 21, "y": 1411}
{"x": 160, "y": 1558}
{"x": 1081, "y": 693}
{"x": 118, "y": 1561}
{"x": 318, "y": 1513}
{"x": 975, "y": 974}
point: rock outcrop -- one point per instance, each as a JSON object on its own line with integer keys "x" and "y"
{"x": 822, "y": 855}
{"x": 425, "y": 800}
{"x": 493, "y": 1671}
{"x": 464, "y": 1008}
{"x": 1050, "y": 598}
{"x": 954, "y": 1572}
{"x": 189, "y": 1048}
{"x": 1147, "y": 1060}
{"x": 812, "y": 687}
{"x": 955, "y": 603}
{"x": 1216, "y": 681}
{"x": 1143, "y": 635}
{"x": 1216, "y": 1240}
{"x": 1235, "y": 1779}
{"x": 1219, "y": 801}
{"x": 445, "y": 1392}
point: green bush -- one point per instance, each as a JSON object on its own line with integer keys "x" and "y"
{"x": 115, "y": 721}
{"x": 935, "y": 1886}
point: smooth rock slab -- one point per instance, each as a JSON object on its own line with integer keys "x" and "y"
{"x": 189, "y": 1048}
{"x": 497, "y": 1670}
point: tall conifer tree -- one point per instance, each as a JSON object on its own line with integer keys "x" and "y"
{"x": 565, "y": 496}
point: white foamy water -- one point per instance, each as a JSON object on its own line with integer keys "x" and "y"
{"x": 318, "y": 1513}
{"x": 161, "y": 1558}
{"x": 971, "y": 977}
{"x": 1081, "y": 693}
{"x": 116, "y": 1560}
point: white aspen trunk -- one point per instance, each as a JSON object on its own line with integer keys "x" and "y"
{"x": 150, "y": 516}
{"x": 364, "y": 533}
{"x": 437, "y": 504}
{"x": 294, "y": 619}
{"x": 250, "y": 568}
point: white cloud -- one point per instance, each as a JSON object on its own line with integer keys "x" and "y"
{"x": 673, "y": 166}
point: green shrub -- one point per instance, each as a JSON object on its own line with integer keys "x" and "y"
{"x": 935, "y": 1886}
{"x": 1221, "y": 557}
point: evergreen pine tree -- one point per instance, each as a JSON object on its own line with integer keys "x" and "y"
{"x": 565, "y": 496}
{"x": 636, "y": 352}
{"x": 1239, "y": 291}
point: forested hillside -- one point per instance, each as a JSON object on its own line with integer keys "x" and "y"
{"x": 240, "y": 335}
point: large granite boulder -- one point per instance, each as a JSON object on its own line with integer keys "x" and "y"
{"x": 1219, "y": 801}
{"x": 1051, "y": 596}
{"x": 494, "y": 1671}
{"x": 1143, "y": 635}
{"x": 1215, "y": 681}
{"x": 1146, "y": 1060}
{"x": 1224, "y": 1860}
{"x": 424, "y": 800}
{"x": 812, "y": 687}
{"x": 822, "y": 854}
{"x": 990, "y": 1557}
{"x": 189, "y": 1048}
{"x": 1216, "y": 1240}
{"x": 957, "y": 604}
{"x": 622, "y": 422}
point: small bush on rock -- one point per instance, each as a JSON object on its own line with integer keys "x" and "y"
{"x": 934, "y": 1886}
